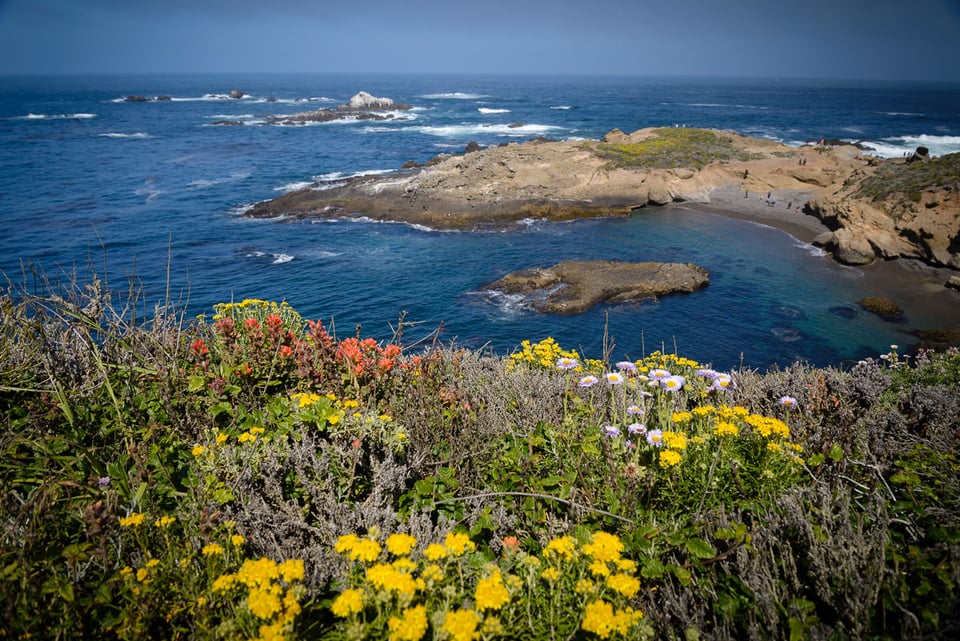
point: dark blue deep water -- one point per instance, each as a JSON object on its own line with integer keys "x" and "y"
{"x": 87, "y": 179}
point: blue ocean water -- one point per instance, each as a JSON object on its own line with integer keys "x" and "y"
{"x": 88, "y": 179}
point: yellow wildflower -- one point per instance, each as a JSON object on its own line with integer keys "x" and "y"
{"x": 349, "y": 602}
{"x": 491, "y": 593}
{"x": 564, "y": 546}
{"x": 725, "y": 428}
{"x": 400, "y": 544}
{"x": 461, "y": 625}
{"x": 669, "y": 458}
{"x": 604, "y": 546}
{"x": 135, "y": 519}
{"x": 164, "y": 521}
{"x": 263, "y": 603}
{"x": 237, "y": 540}
{"x": 198, "y": 450}
{"x": 432, "y": 572}
{"x": 599, "y": 568}
{"x": 459, "y": 543}
{"x": 142, "y": 574}
{"x": 222, "y": 438}
{"x": 212, "y": 549}
{"x": 675, "y": 440}
{"x": 365, "y": 551}
{"x": 152, "y": 563}
{"x": 625, "y": 584}
{"x": 584, "y": 586}
{"x": 597, "y": 618}
{"x": 224, "y": 582}
{"x": 435, "y": 552}
{"x": 550, "y": 574}
{"x": 491, "y": 627}
{"x": 291, "y": 570}
{"x": 410, "y": 626}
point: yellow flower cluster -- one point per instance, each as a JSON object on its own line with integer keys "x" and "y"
{"x": 491, "y": 593}
{"x": 602, "y": 619}
{"x": 390, "y": 594}
{"x": 133, "y": 520}
{"x": 563, "y": 547}
{"x": 259, "y": 309}
{"x": 767, "y": 426}
{"x": 544, "y": 354}
{"x": 272, "y": 591}
{"x": 411, "y": 625}
{"x": 659, "y": 360}
{"x": 461, "y": 625}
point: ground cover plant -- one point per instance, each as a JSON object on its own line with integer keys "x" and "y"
{"x": 252, "y": 475}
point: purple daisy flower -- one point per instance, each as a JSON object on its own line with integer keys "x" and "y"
{"x": 635, "y": 410}
{"x": 655, "y": 438}
{"x": 627, "y": 366}
{"x": 614, "y": 378}
{"x": 637, "y": 428}
{"x": 611, "y": 430}
{"x": 788, "y": 401}
{"x": 673, "y": 383}
{"x": 565, "y": 363}
{"x": 588, "y": 381}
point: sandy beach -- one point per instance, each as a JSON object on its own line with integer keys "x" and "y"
{"x": 782, "y": 214}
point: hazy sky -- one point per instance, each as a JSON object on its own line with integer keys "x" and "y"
{"x": 854, "y": 39}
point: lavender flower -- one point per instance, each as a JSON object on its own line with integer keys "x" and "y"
{"x": 788, "y": 401}
{"x": 635, "y": 410}
{"x": 588, "y": 381}
{"x": 723, "y": 382}
{"x": 673, "y": 383}
{"x": 655, "y": 438}
{"x": 637, "y": 428}
{"x": 627, "y": 366}
{"x": 103, "y": 481}
{"x": 565, "y": 363}
{"x": 611, "y": 430}
{"x": 614, "y": 378}
{"x": 708, "y": 373}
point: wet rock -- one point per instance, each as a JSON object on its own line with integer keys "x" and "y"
{"x": 883, "y": 307}
{"x": 572, "y": 287}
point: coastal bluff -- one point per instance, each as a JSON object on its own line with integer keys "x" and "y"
{"x": 864, "y": 208}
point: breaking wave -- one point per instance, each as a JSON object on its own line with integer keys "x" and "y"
{"x": 900, "y": 145}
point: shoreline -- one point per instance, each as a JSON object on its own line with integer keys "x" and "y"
{"x": 918, "y": 289}
{"x": 729, "y": 201}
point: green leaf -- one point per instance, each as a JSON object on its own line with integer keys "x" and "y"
{"x": 836, "y": 453}
{"x": 700, "y": 549}
{"x": 196, "y": 384}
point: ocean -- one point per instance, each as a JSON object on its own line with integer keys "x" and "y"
{"x": 153, "y": 193}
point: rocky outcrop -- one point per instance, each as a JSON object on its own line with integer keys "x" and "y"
{"x": 572, "y": 287}
{"x": 236, "y": 94}
{"x": 362, "y": 106}
{"x": 909, "y": 210}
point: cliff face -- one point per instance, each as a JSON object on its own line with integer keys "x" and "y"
{"x": 897, "y": 209}
{"x": 874, "y": 208}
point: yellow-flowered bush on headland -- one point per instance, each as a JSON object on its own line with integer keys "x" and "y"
{"x": 399, "y": 589}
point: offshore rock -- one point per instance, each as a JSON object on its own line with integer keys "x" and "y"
{"x": 572, "y": 287}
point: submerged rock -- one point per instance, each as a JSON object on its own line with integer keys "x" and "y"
{"x": 883, "y": 307}
{"x": 572, "y": 287}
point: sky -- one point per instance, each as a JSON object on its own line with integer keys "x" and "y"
{"x": 844, "y": 39}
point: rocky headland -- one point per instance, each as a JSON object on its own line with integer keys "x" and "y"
{"x": 860, "y": 208}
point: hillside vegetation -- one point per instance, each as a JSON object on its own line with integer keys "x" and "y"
{"x": 250, "y": 475}
{"x": 675, "y": 147}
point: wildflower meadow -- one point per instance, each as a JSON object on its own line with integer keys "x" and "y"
{"x": 252, "y": 475}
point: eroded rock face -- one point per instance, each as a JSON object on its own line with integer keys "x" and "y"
{"x": 572, "y": 287}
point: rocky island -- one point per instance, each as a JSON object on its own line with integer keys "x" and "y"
{"x": 572, "y": 287}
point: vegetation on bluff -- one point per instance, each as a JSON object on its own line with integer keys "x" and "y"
{"x": 895, "y": 177}
{"x": 674, "y": 147}
{"x": 251, "y": 475}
